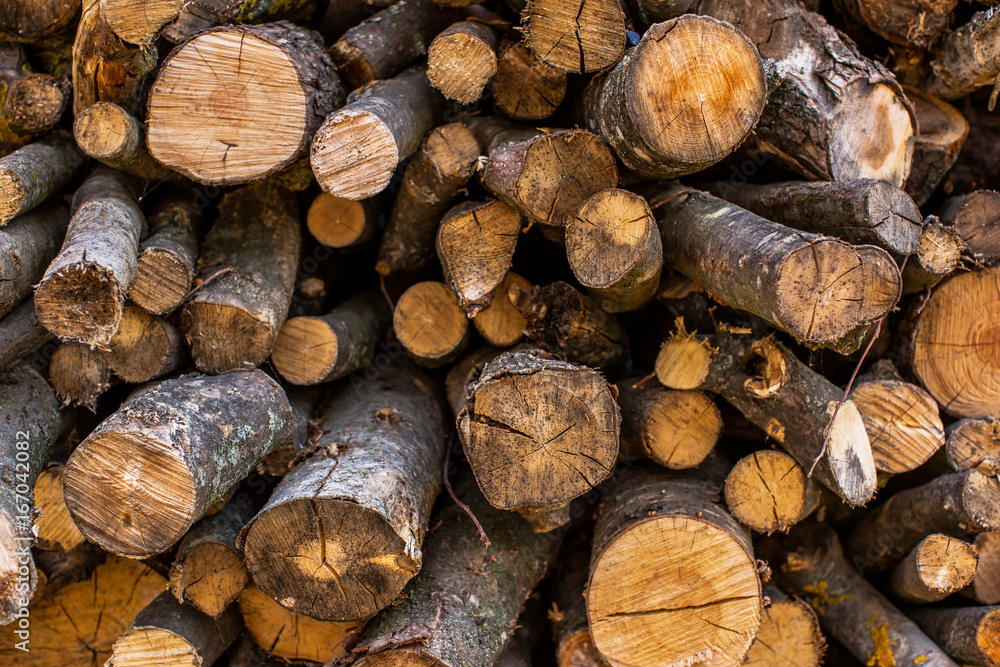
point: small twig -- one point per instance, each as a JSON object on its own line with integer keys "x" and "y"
{"x": 468, "y": 510}
{"x": 644, "y": 380}
{"x": 385, "y": 292}
{"x": 204, "y": 282}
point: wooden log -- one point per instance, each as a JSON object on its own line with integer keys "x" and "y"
{"x": 248, "y": 115}
{"x": 973, "y": 442}
{"x": 976, "y": 218}
{"x": 563, "y": 321}
{"x": 341, "y": 223}
{"x": 525, "y": 87}
{"x": 462, "y": 60}
{"x": 31, "y": 424}
{"x": 313, "y": 350}
{"x": 444, "y": 163}
{"x": 684, "y": 359}
{"x": 789, "y": 634}
{"x": 977, "y": 164}
{"x": 36, "y": 21}
{"x": 167, "y": 258}
{"x": 27, "y": 245}
{"x": 79, "y": 375}
{"x": 465, "y": 589}
{"x": 60, "y": 569}
{"x": 614, "y": 249}
{"x": 967, "y": 58}
{"x": 220, "y": 426}
{"x": 357, "y": 149}
{"x": 918, "y": 24}
{"x": 941, "y": 133}
{"x": 304, "y": 401}
{"x": 819, "y": 289}
{"x": 30, "y": 103}
{"x": 29, "y": 175}
{"x": 376, "y": 470}
{"x": 936, "y": 568}
{"x": 253, "y": 252}
{"x": 938, "y": 255}
{"x": 79, "y": 623}
{"x": 145, "y": 347}
{"x": 985, "y": 585}
{"x": 538, "y": 433}
{"x": 171, "y": 633}
{"x": 665, "y": 116}
{"x": 81, "y": 297}
{"x": 576, "y": 37}
{"x": 808, "y": 563}
{"x": 952, "y": 338}
{"x": 463, "y": 373}
{"x": 676, "y": 429}
{"x": 954, "y": 505}
{"x": 768, "y": 491}
{"x": 430, "y": 325}
{"x": 666, "y": 528}
{"x": 56, "y": 530}
{"x": 501, "y": 323}
{"x": 568, "y": 614}
{"x": 108, "y": 133}
{"x": 21, "y": 334}
{"x": 475, "y": 244}
{"x": 969, "y": 634}
{"x": 247, "y": 653}
{"x": 861, "y": 211}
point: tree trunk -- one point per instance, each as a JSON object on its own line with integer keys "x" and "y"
{"x": 976, "y": 218}
{"x": 942, "y": 130}
{"x": 29, "y": 175}
{"x": 430, "y": 325}
{"x": 81, "y": 297}
{"x": 36, "y": 20}
{"x": 938, "y": 255}
{"x": 501, "y": 323}
{"x": 936, "y": 568}
{"x": 969, "y": 634}
{"x": 789, "y": 634}
{"x": 341, "y": 534}
{"x": 972, "y": 443}
{"x": 27, "y": 245}
{"x": 357, "y": 149}
{"x": 462, "y": 60}
{"x": 145, "y": 347}
{"x": 79, "y": 375}
{"x": 768, "y": 491}
{"x": 968, "y": 58}
{"x": 576, "y": 37}
{"x": 21, "y": 334}
{"x": 30, "y": 102}
{"x": 190, "y": 439}
{"x": 525, "y": 87}
{"x": 168, "y": 256}
{"x": 108, "y": 133}
{"x": 251, "y": 254}
{"x": 538, "y": 433}
{"x": 56, "y": 530}
{"x": 341, "y": 223}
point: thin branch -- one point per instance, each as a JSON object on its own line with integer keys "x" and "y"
{"x": 204, "y": 282}
{"x": 468, "y": 510}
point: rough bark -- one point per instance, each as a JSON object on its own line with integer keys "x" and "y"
{"x": 577, "y": 37}
{"x": 341, "y": 223}
{"x": 253, "y": 252}
{"x": 185, "y": 443}
{"x": 29, "y": 175}
{"x": 304, "y": 401}
{"x": 27, "y": 245}
{"x": 21, "y": 334}
{"x": 969, "y": 634}
{"x": 942, "y": 130}
{"x": 768, "y": 491}
{"x": 538, "y": 433}
{"x": 938, "y": 254}
{"x": 916, "y": 23}
{"x": 936, "y": 568}
{"x": 968, "y": 58}
{"x": 56, "y": 530}
{"x": 167, "y": 258}
{"x": 30, "y": 102}
{"x": 430, "y": 325}
{"x": 36, "y": 20}
{"x": 976, "y": 218}
{"x": 81, "y": 297}
{"x": 79, "y": 375}
{"x": 789, "y": 634}
{"x": 145, "y": 347}
{"x": 501, "y": 323}
{"x": 374, "y": 476}
{"x": 108, "y": 133}
{"x": 462, "y": 60}
{"x": 525, "y": 87}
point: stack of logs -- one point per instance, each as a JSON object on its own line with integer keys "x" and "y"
{"x": 373, "y": 333}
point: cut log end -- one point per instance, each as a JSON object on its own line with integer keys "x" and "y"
{"x": 149, "y": 646}
{"x": 35, "y": 102}
{"x": 500, "y": 323}
{"x": 139, "y": 21}
{"x": 354, "y": 155}
{"x": 767, "y": 491}
{"x": 461, "y": 61}
{"x": 56, "y": 530}
{"x": 103, "y": 130}
{"x": 525, "y": 87}
{"x": 80, "y": 303}
{"x": 683, "y": 362}
{"x": 902, "y": 421}
{"x": 79, "y": 375}
{"x": 144, "y": 347}
{"x": 789, "y": 635}
{"x": 872, "y": 138}
{"x": 11, "y": 195}
{"x": 429, "y": 323}
{"x": 209, "y": 329}
{"x": 305, "y": 350}
{"x": 337, "y": 222}
{"x": 976, "y": 218}
{"x": 849, "y": 454}
{"x": 209, "y": 577}
{"x": 599, "y": 28}
{"x": 937, "y": 567}
{"x": 897, "y": 220}
{"x": 163, "y": 279}
{"x": 681, "y": 428}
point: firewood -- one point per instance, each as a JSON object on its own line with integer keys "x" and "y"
{"x": 475, "y": 244}
{"x": 768, "y": 491}
{"x": 684, "y": 359}
{"x": 56, "y": 530}
{"x": 819, "y": 289}
{"x": 36, "y": 20}
{"x": 357, "y": 149}
{"x": 954, "y": 505}
{"x": 918, "y": 23}
{"x": 79, "y": 374}
{"x": 29, "y": 175}
{"x": 220, "y": 426}
{"x": 942, "y": 130}
{"x": 951, "y": 341}
{"x": 250, "y": 257}
{"x": 386, "y": 43}
{"x": 108, "y": 133}
{"x": 462, "y": 60}
{"x": 463, "y": 373}
{"x": 247, "y": 653}
{"x": 976, "y": 218}
{"x": 376, "y": 469}
{"x": 985, "y": 585}
{"x": 465, "y": 589}
{"x": 292, "y": 637}
{"x": 166, "y": 266}
{"x": 341, "y": 223}
{"x": 576, "y": 37}
{"x": 969, "y": 634}
{"x": 538, "y": 433}
{"x": 501, "y": 323}
{"x": 973, "y": 442}
{"x": 303, "y": 401}
{"x": 568, "y": 614}
{"x": 170, "y": 633}
{"x": 444, "y": 162}
{"x": 936, "y": 568}
{"x": 967, "y": 58}
{"x": 145, "y": 347}
{"x": 808, "y": 563}
{"x": 312, "y": 350}
{"x": 977, "y": 164}
{"x": 27, "y": 245}
{"x": 78, "y": 624}
{"x": 81, "y": 297}
{"x": 525, "y": 87}
{"x": 61, "y": 568}
{"x": 789, "y": 634}
{"x": 676, "y": 429}
{"x": 32, "y": 102}
{"x": 251, "y": 112}
{"x": 938, "y": 255}
{"x": 667, "y": 117}
{"x": 31, "y": 424}
{"x": 861, "y": 211}
{"x": 21, "y": 333}
{"x": 430, "y": 325}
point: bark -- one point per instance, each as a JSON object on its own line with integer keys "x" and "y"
{"x": 977, "y": 165}
{"x": 808, "y": 563}
{"x": 789, "y": 634}
{"x": 647, "y": 12}
{"x": 374, "y": 476}
{"x": 538, "y": 433}
{"x": 251, "y": 112}
{"x": 27, "y": 245}
{"x": 969, "y": 634}
{"x": 462, "y": 60}
{"x": 942, "y": 130}
{"x": 570, "y": 630}
{"x": 313, "y": 350}
{"x": 936, "y": 568}
{"x": 145, "y": 347}
{"x": 576, "y": 37}
{"x": 976, "y": 218}
{"x": 443, "y": 164}
{"x": 768, "y": 491}
{"x": 79, "y": 375}
{"x": 257, "y": 240}
{"x": 30, "y": 102}
{"x": 248, "y": 654}
{"x": 862, "y": 211}
{"x": 430, "y": 325}
{"x": 167, "y": 258}
{"x": 973, "y": 443}
{"x": 525, "y": 87}
{"x": 357, "y": 149}
{"x": 108, "y": 133}
{"x": 190, "y": 439}
{"x": 501, "y": 323}
{"x": 56, "y": 530}
{"x": 36, "y": 20}
{"x": 985, "y": 586}
{"x": 304, "y": 401}
{"x": 916, "y": 23}
{"x": 953, "y": 505}
{"x": 29, "y": 175}
{"x": 341, "y": 223}
{"x": 21, "y": 334}
{"x": 464, "y": 605}
{"x": 81, "y": 297}
{"x": 938, "y": 254}
{"x": 31, "y": 424}
{"x": 968, "y": 58}
{"x": 819, "y": 289}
